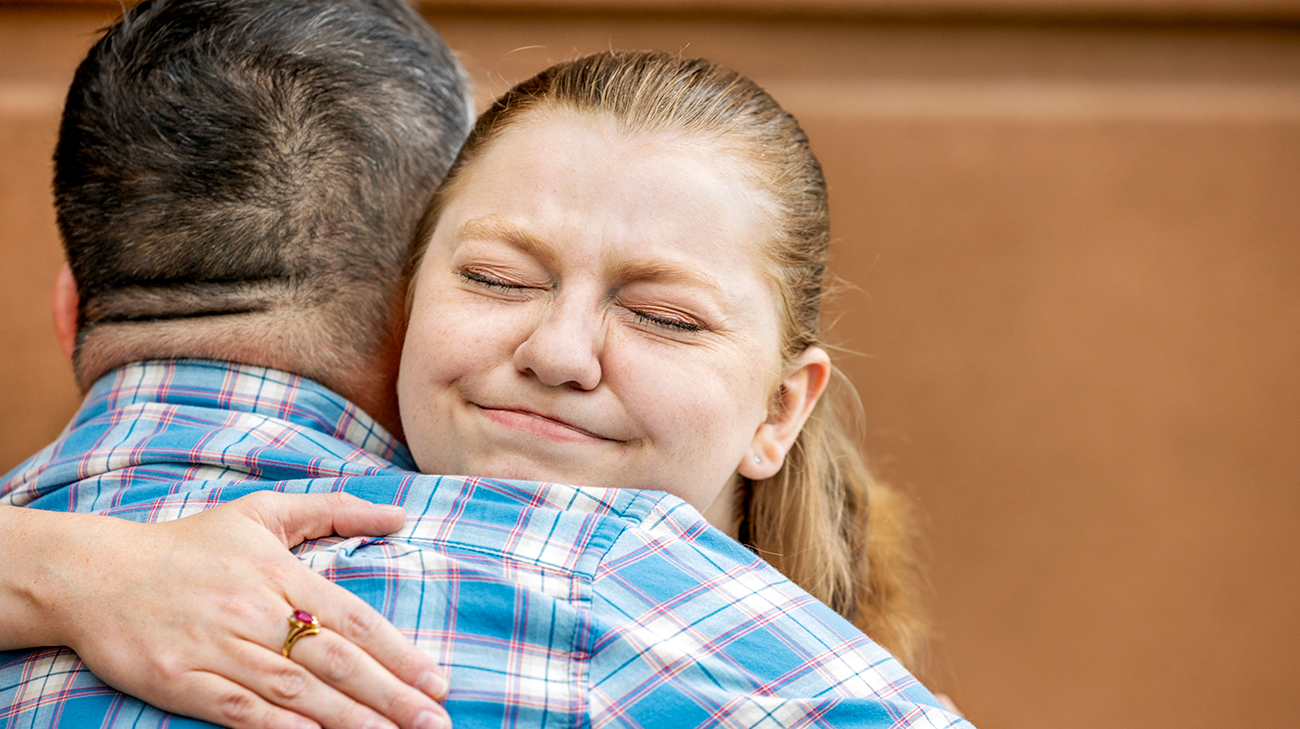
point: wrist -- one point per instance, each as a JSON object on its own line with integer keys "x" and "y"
{"x": 26, "y": 589}
{"x": 50, "y": 572}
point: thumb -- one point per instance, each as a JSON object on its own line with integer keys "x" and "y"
{"x": 294, "y": 518}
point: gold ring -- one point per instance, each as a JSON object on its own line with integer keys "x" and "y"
{"x": 301, "y": 623}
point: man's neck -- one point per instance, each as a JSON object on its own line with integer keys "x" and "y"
{"x": 369, "y": 381}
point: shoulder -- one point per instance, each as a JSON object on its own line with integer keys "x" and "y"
{"x": 715, "y": 634}
{"x": 157, "y": 423}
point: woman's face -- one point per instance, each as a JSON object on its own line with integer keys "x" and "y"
{"x": 591, "y": 310}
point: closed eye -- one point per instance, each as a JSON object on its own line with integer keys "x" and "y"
{"x": 659, "y": 321}
{"x": 489, "y": 281}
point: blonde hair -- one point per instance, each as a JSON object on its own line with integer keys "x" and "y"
{"x": 815, "y": 518}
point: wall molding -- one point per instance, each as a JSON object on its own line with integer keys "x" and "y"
{"x": 1160, "y": 11}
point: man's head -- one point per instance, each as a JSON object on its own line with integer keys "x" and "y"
{"x": 241, "y": 179}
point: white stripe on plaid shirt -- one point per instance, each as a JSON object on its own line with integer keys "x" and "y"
{"x": 550, "y": 605}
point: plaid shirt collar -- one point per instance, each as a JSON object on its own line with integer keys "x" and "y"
{"x": 282, "y": 409}
{"x": 243, "y": 388}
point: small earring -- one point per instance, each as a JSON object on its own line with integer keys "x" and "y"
{"x": 758, "y": 458}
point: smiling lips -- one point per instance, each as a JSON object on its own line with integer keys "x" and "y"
{"x": 541, "y": 425}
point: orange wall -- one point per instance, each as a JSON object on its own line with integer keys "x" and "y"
{"x": 1071, "y": 250}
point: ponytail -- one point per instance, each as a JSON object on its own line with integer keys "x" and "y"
{"x": 816, "y": 518}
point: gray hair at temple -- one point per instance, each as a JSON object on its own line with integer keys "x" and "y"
{"x": 225, "y": 165}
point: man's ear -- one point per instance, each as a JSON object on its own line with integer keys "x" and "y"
{"x": 801, "y": 386}
{"x": 63, "y": 304}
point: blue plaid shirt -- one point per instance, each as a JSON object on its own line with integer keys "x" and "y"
{"x": 549, "y": 605}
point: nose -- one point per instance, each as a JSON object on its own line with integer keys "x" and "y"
{"x": 564, "y": 348}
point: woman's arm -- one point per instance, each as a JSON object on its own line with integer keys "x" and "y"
{"x": 191, "y": 615}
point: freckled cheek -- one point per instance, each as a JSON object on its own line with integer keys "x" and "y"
{"x": 705, "y": 406}
{"x": 429, "y": 338}
{"x": 479, "y": 333}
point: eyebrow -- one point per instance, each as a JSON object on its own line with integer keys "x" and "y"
{"x": 497, "y": 226}
{"x": 623, "y": 270}
{"x": 662, "y": 270}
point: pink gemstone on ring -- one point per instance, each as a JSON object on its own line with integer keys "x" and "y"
{"x": 303, "y": 616}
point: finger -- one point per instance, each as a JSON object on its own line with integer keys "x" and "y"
{"x": 220, "y": 701}
{"x": 297, "y": 517}
{"x": 299, "y": 685}
{"x": 343, "y": 666}
{"x": 354, "y": 516}
{"x": 285, "y": 683}
{"x": 352, "y": 618}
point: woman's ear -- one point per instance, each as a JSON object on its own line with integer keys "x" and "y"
{"x": 63, "y": 304}
{"x": 801, "y": 387}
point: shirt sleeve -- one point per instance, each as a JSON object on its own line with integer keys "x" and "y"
{"x": 690, "y": 629}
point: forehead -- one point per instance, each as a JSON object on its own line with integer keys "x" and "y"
{"x": 559, "y": 169}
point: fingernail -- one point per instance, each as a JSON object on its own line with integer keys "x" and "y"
{"x": 378, "y": 724}
{"x": 392, "y": 508}
{"x": 432, "y": 683}
{"x": 429, "y": 720}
